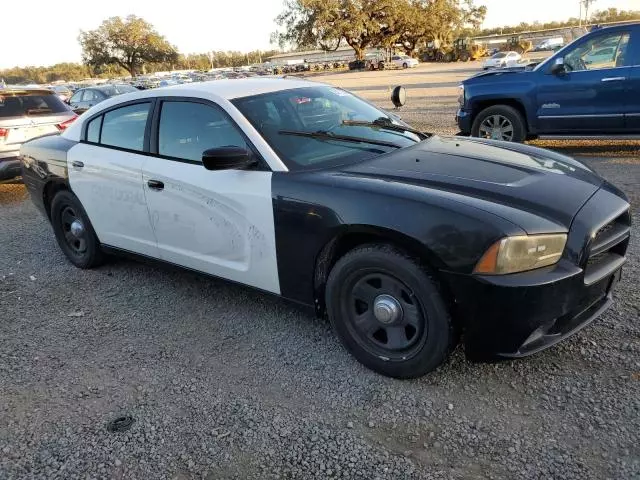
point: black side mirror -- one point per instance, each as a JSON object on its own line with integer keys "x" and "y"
{"x": 398, "y": 96}
{"x": 558, "y": 67}
{"x": 228, "y": 158}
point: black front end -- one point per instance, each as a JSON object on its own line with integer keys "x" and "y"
{"x": 520, "y": 314}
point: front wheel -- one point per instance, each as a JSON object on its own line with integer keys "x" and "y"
{"x": 74, "y": 232}
{"x": 404, "y": 65}
{"x": 499, "y": 122}
{"x": 388, "y": 312}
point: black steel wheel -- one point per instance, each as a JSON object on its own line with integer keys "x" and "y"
{"x": 388, "y": 312}
{"x": 386, "y": 317}
{"x": 74, "y": 232}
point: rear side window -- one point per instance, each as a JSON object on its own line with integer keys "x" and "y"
{"x": 124, "y": 127}
{"x": 93, "y": 130}
{"x": 30, "y": 105}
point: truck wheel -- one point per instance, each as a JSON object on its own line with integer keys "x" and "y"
{"x": 74, "y": 232}
{"x": 381, "y": 66}
{"x": 388, "y": 312}
{"x": 448, "y": 57}
{"x": 499, "y": 122}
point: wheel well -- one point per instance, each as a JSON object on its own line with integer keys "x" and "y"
{"x": 480, "y": 106}
{"x": 48, "y": 192}
{"x": 343, "y": 243}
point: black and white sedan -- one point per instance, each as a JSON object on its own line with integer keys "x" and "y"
{"x": 404, "y": 239}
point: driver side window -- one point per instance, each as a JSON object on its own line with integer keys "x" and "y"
{"x": 187, "y": 129}
{"x": 604, "y": 51}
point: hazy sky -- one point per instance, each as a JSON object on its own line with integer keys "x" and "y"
{"x": 39, "y": 32}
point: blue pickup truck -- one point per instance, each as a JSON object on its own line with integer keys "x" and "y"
{"x": 588, "y": 89}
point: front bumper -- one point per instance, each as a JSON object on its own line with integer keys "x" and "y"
{"x": 10, "y": 168}
{"x": 463, "y": 119}
{"x": 517, "y": 315}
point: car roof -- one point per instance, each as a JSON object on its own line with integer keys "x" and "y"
{"x": 22, "y": 90}
{"x": 239, "y": 87}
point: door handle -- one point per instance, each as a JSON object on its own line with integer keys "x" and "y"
{"x": 155, "y": 184}
{"x": 77, "y": 164}
{"x": 613, "y": 79}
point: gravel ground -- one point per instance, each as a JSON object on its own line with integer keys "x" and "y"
{"x": 224, "y": 382}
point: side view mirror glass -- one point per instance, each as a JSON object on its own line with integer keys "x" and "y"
{"x": 227, "y": 158}
{"x": 558, "y": 67}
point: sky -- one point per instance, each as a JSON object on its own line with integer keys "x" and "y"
{"x": 48, "y": 34}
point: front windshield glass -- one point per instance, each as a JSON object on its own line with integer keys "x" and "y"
{"x": 320, "y": 109}
{"x": 499, "y": 55}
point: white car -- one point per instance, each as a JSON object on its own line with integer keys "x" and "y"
{"x": 502, "y": 60}
{"x": 404, "y": 61}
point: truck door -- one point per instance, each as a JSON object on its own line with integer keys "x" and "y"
{"x": 590, "y": 95}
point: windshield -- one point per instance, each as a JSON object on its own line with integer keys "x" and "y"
{"x": 114, "y": 90}
{"x": 499, "y": 55}
{"x": 320, "y": 109}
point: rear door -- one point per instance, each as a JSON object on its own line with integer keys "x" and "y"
{"x": 218, "y": 222}
{"x": 105, "y": 173}
{"x": 591, "y": 97}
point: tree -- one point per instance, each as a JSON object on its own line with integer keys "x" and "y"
{"x": 327, "y": 23}
{"x": 373, "y": 23}
{"x": 129, "y": 43}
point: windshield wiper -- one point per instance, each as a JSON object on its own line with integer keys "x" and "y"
{"x": 386, "y": 124}
{"x": 323, "y": 135}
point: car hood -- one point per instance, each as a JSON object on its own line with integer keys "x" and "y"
{"x": 504, "y": 178}
{"x": 502, "y": 74}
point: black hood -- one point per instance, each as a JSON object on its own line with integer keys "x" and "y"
{"x": 541, "y": 182}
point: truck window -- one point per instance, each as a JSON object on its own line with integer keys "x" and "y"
{"x": 603, "y": 51}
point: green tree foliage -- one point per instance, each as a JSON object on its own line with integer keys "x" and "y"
{"x": 601, "y": 16}
{"x": 129, "y": 43}
{"x": 373, "y": 23}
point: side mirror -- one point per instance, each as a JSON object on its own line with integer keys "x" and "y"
{"x": 558, "y": 67}
{"x": 399, "y": 96}
{"x": 227, "y": 158}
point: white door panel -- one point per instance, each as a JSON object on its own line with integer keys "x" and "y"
{"x": 109, "y": 187}
{"x": 218, "y": 222}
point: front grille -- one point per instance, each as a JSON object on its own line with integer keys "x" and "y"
{"x": 608, "y": 248}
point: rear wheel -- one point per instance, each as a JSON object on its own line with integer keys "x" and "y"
{"x": 388, "y": 312}
{"x": 499, "y": 122}
{"x": 74, "y": 232}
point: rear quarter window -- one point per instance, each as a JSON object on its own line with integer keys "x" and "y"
{"x": 30, "y": 105}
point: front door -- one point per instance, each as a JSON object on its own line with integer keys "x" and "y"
{"x": 590, "y": 96}
{"x": 218, "y": 222}
{"x": 105, "y": 173}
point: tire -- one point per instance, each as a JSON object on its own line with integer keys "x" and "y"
{"x": 448, "y": 57}
{"x": 417, "y": 340}
{"x": 83, "y": 248}
{"x": 519, "y": 131}
{"x": 404, "y": 65}
{"x": 381, "y": 66}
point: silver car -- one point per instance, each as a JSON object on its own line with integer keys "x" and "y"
{"x": 26, "y": 114}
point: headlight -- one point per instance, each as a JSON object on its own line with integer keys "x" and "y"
{"x": 461, "y": 95}
{"x": 522, "y": 253}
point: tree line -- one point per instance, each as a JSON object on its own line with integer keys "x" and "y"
{"x": 601, "y": 16}
{"x": 131, "y": 46}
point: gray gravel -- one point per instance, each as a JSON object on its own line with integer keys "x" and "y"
{"x": 224, "y": 382}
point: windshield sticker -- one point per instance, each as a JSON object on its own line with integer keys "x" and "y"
{"x": 301, "y": 100}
